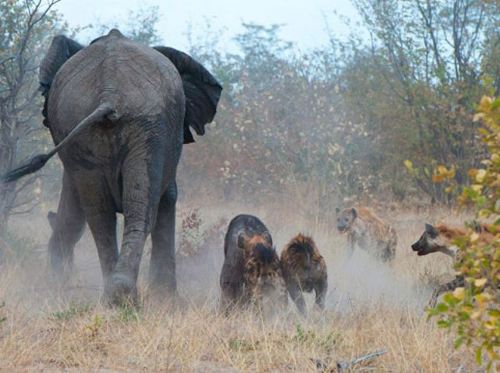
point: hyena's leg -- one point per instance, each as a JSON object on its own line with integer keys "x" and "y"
{"x": 352, "y": 241}
{"x": 227, "y": 299}
{"x": 388, "y": 252}
{"x": 320, "y": 289}
{"x": 231, "y": 284}
{"x": 297, "y": 297}
{"x": 284, "y": 294}
{"x": 67, "y": 228}
{"x": 449, "y": 286}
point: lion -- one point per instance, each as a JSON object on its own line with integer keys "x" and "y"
{"x": 251, "y": 273}
{"x": 365, "y": 230}
{"x": 440, "y": 238}
{"x": 304, "y": 270}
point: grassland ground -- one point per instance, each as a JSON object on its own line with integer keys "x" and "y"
{"x": 370, "y": 306}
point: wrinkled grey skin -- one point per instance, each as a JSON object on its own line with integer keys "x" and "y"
{"x": 125, "y": 161}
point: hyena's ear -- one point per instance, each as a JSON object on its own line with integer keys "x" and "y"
{"x": 354, "y": 212}
{"x": 241, "y": 240}
{"x": 430, "y": 230}
{"x": 337, "y": 210}
{"x": 268, "y": 237}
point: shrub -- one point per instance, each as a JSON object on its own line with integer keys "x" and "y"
{"x": 473, "y": 310}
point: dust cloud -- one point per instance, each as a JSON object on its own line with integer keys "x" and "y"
{"x": 355, "y": 283}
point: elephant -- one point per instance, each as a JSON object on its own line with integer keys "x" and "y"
{"x": 119, "y": 113}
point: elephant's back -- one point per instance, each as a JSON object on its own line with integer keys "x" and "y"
{"x": 136, "y": 80}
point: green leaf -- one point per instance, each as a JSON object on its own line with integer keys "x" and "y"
{"x": 444, "y": 323}
{"x": 479, "y": 356}
{"x": 441, "y": 307}
{"x": 495, "y": 104}
{"x": 458, "y": 342}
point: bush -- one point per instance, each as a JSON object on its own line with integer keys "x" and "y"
{"x": 473, "y": 311}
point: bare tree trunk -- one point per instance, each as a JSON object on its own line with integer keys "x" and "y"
{"x": 6, "y": 158}
{"x": 19, "y": 104}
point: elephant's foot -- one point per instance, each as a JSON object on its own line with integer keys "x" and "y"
{"x": 60, "y": 275}
{"x": 121, "y": 291}
{"x": 159, "y": 287}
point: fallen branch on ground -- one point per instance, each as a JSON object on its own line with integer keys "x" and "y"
{"x": 342, "y": 366}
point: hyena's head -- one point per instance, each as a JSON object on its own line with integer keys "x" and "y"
{"x": 266, "y": 267}
{"x": 303, "y": 252}
{"x": 430, "y": 241}
{"x": 345, "y": 218}
{"x": 262, "y": 264}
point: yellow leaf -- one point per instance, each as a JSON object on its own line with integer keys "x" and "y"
{"x": 485, "y": 103}
{"x": 477, "y": 117}
{"x": 441, "y": 169}
{"x": 472, "y": 172}
{"x": 480, "y": 175}
{"x": 437, "y": 178}
{"x": 476, "y": 187}
{"x": 489, "y": 325}
{"x": 480, "y": 282}
{"x": 459, "y": 293}
{"x": 475, "y": 315}
{"x": 482, "y": 299}
{"x": 474, "y": 237}
{"x": 408, "y": 164}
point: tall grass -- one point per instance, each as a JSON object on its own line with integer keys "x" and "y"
{"x": 370, "y": 306}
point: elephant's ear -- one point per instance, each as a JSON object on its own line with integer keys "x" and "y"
{"x": 202, "y": 91}
{"x": 61, "y": 49}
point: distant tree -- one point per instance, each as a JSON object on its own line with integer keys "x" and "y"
{"x": 139, "y": 25}
{"x": 25, "y": 28}
{"x": 416, "y": 85}
{"x": 276, "y": 122}
{"x": 142, "y": 25}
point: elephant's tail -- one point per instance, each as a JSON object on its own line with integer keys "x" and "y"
{"x": 38, "y": 161}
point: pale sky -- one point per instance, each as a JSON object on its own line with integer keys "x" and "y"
{"x": 304, "y": 20}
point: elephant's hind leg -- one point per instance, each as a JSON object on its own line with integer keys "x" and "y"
{"x": 102, "y": 224}
{"x": 67, "y": 228}
{"x": 101, "y": 218}
{"x": 162, "y": 269}
{"x": 141, "y": 197}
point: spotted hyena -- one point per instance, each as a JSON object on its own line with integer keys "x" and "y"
{"x": 366, "y": 231}
{"x": 440, "y": 238}
{"x": 251, "y": 273}
{"x": 304, "y": 270}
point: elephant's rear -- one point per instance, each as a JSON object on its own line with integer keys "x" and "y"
{"x": 145, "y": 92}
{"x": 143, "y": 88}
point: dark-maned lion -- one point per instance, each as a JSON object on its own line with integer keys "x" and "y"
{"x": 365, "y": 230}
{"x": 251, "y": 273}
{"x": 304, "y": 270}
{"x": 440, "y": 238}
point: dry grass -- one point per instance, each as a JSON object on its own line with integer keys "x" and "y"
{"x": 370, "y": 307}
